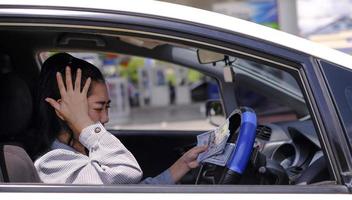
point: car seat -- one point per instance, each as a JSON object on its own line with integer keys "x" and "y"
{"x": 15, "y": 116}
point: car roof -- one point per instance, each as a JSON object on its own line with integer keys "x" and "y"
{"x": 194, "y": 15}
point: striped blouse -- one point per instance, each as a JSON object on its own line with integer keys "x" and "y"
{"x": 108, "y": 162}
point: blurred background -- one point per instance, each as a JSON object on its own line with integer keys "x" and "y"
{"x": 328, "y": 22}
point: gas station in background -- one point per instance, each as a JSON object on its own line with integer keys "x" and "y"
{"x": 182, "y": 88}
{"x": 119, "y": 111}
{"x": 152, "y": 86}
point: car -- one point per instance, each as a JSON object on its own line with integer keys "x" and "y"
{"x": 175, "y": 72}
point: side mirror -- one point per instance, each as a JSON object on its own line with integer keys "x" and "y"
{"x": 214, "y": 112}
{"x": 206, "y": 57}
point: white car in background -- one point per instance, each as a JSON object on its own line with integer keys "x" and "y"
{"x": 301, "y": 93}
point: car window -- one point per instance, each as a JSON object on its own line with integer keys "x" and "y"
{"x": 148, "y": 94}
{"x": 340, "y": 85}
{"x": 270, "y": 103}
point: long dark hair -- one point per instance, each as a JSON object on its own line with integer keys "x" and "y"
{"x": 47, "y": 122}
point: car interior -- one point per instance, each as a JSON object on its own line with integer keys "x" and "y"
{"x": 286, "y": 150}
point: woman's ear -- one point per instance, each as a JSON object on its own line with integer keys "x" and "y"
{"x": 57, "y": 113}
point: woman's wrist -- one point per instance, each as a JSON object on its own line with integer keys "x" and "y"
{"x": 80, "y": 125}
{"x": 91, "y": 135}
{"x": 179, "y": 169}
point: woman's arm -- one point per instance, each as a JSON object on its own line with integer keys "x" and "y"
{"x": 109, "y": 162}
{"x": 110, "y": 158}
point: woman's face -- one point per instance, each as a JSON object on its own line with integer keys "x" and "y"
{"x": 99, "y": 103}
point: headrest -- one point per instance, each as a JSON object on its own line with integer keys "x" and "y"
{"x": 15, "y": 105}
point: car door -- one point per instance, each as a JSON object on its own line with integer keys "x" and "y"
{"x": 302, "y": 66}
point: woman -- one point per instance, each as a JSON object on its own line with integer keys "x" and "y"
{"x": 72, "y": 105}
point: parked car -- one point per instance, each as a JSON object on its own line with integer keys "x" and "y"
{"x": 301, "y": 93}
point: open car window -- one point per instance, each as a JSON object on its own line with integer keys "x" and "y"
{"x": 149, "y": 94}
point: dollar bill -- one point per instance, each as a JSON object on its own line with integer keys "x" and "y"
{"x": 221, "y": 159}
{"x": 215, "y": 139}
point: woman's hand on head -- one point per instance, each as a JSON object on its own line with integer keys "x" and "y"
{"x": 73, "y": 105}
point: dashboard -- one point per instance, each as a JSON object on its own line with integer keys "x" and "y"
{"x": 296, "y": 148}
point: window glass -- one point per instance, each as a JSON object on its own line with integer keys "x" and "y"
{"x": 149, "y": 94}
{"x": 340, "y": 85}
{"x": 273, "y": 93}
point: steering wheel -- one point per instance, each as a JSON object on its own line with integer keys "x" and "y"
{"x": 241, "y": 154}
{"x": 242, "y": 126}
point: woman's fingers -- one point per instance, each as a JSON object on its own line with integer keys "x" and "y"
{"x": 193, "y": 164}
{"x": 78, "y": 80}
{"x": 53, "y": 103}
{"x": 199, "y": 149}
{"x": 69, "y": 84}
{"x": 60, "y": 84}
{"x": 86, "y": 86}
{"x": 195, "y": 151}
{"x": 68, "y": 79}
